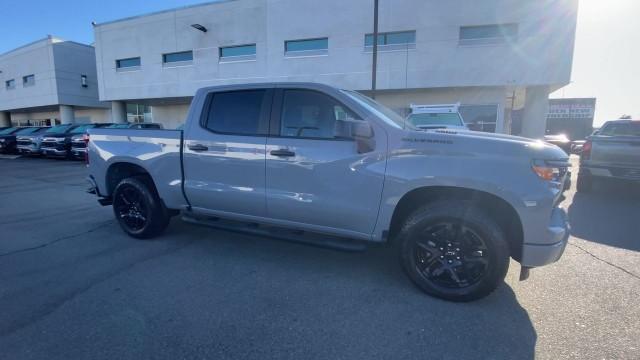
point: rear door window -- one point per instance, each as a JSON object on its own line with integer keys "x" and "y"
{"x": 238, "y": 112}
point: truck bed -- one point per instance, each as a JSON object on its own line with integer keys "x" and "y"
{"x": 156, "y": 151}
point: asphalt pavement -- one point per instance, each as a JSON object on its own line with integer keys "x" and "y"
{"x": 73, "y": 286}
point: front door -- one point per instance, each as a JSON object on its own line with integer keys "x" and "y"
{"x": 224, "y": 156}
{"x": 315, "y": 176}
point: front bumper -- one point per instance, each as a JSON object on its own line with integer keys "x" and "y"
{"x": 54, "y": 152}
{"x": 557, "y": 231}
{"x": 78, "y": 153}
{"x": 28, "y": 150}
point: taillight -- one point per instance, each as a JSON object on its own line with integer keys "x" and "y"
{"x": 85, "y": 138}
{"x": 586, "y": 150}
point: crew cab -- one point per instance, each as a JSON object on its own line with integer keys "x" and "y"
{"x": 8, "y": 137}
{"x": 312, "y": 163}
{"x": 611, "y": 153}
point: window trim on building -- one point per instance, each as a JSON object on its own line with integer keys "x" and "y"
{"x": 26, "y": 82}
{"x": 502, "y": 37}
{"x": 10, "y": 84}
{"x": 322, "y": 51}
{"x": 237, "y": 58}
{"x": 177, "y": 63}
{"x": 119, "y": 66}
{"x": 385, "y": 46}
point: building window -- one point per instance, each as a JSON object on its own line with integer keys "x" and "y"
{"x": 28, "y": 80}
{"x": 83, "y": 81}
{"x": 177, "y": 58}
{"x": 128, "y": 64}
{"x": 399, "y": 40}
{"x": 488, "y": 34}
{"x": 308, "y": 47}
{"x": 480, "y": 117}
{"x": 138, "y": 113}
{"x": 238, "y": 53}
{"x": 10, "y": 84}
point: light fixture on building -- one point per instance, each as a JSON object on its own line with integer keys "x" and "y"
{"x": 83, "y": 81}
{"x": 199, "y": 27}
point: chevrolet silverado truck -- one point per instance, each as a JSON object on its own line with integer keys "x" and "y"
{"x": 612, "y": 153}
{"x": 308, "y": 162}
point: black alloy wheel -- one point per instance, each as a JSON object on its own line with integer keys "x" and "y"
{"x": 451, "y": 255}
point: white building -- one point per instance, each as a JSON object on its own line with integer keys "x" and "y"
{"x": 492, "y": 56}
{"x": 50, "y": 81}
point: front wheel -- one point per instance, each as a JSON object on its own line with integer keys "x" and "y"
{"x": 138, "y": 209}
{"x": 454, "y": 251}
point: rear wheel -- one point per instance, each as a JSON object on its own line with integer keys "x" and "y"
{"x": 138, "y": 209}
{"x": 585, "y": 182}
{"x": 453, "y": 251}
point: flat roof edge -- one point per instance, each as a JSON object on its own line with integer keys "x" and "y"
{"x": 162, "y": 12}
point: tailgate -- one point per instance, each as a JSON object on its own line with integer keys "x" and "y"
{"x": 623, "y": 151}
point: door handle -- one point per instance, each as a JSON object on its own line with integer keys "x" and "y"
{"x": 282, "y": 153}
{"x": 198, "y": 147}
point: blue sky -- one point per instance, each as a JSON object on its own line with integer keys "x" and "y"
{"x": 24, "y": 21}
{"x": 606, "y": 61}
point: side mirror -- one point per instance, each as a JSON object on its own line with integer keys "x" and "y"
{"x": 359, "y": 130}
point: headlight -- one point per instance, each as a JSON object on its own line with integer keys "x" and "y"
{"x": 551, "y": 171}
{"x": 1, "y": 140}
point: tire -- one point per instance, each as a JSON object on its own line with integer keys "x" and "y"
{"x": 584, "y": 183}
{"x": 464, "y": 256}
{"x": 138, "y": 208}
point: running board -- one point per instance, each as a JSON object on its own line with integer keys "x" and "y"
{"x": 298, "y": 236}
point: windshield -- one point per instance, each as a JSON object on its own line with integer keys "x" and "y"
{"x": 27, "y": 131}
{"x": 82, "y": 129}
{"x": 442, "y": 119}
{"x": 621, "y": 129}
{"x": 383, "y": 112}
{"x": 7, "y": 131}
{"x": 58, "y": 129}
{"x": 117, "y": 126}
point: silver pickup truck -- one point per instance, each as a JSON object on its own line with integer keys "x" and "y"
{"x": 613, "y": 152}
{"x": 312, "y": 163}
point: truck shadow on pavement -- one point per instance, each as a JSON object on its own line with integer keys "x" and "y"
{"x": 358, "y": 305}
{"x": 608, "y": 215}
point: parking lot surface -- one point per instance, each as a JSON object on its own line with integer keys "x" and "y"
{"x": 73, "y": 286}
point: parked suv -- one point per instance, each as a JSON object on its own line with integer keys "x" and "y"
{"x": 29, "y": 144}
{"x": 308, "y": 162}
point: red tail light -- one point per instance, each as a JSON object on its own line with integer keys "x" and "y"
{"x": 586, "y": 150}
{"x": 85, "y": 138}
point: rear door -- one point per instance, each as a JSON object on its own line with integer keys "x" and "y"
{"x": 315, "y": 175}
{"x": 224, "y": 155}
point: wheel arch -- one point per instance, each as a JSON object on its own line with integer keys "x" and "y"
{"x": 499, "y": 209}
{"x": 120, "y": 170}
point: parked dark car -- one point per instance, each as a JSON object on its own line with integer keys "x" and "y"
{"x": 79, "y": 143}
{"x": 560, "y": 140}
{"x": 56, "y": 142}
{"x": 8, "y": 137}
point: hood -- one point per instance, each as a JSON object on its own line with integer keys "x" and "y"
{"x": 478, "y": 143}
